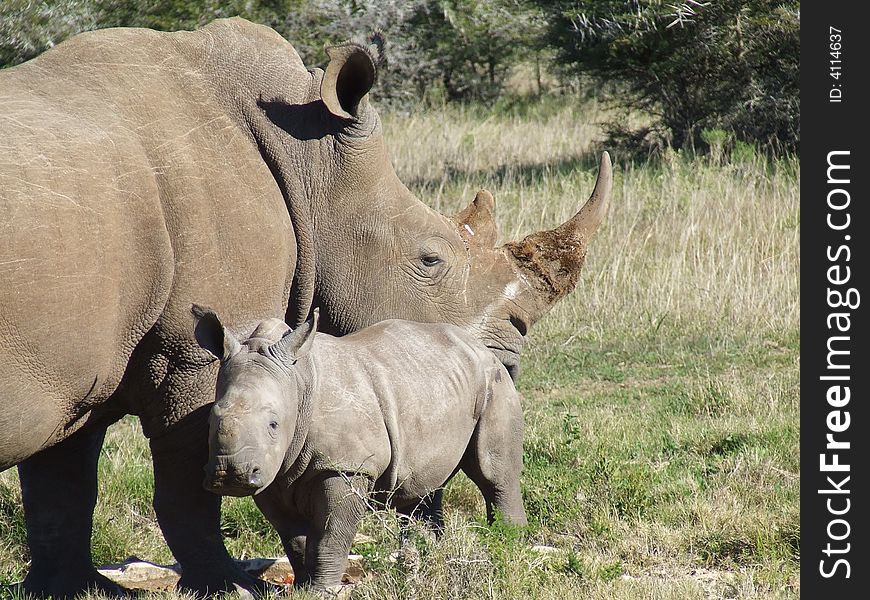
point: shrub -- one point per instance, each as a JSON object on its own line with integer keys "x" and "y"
{"x": 28, "y": 28}
{"x": 730, "y": 64}
{"x": 450, "y": 49}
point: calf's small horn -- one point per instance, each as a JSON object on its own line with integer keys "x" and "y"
{"x": 551, "y": 261}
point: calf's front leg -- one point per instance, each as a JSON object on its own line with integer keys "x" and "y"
{"x": 338, "y": 502}
{"x": 290, "y": 525}
{"x": 494, "y": 458}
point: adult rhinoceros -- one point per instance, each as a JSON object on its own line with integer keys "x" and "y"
{"x": 141, "y": 172}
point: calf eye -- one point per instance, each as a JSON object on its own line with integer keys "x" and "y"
{"x": 430, "y": 260}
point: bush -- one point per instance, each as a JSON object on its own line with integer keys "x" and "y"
{"x": 442, "y": 49}
{"x": 471, "y": 45}
{"x": 730, "y": 64}
{"x": 28, "y": 28}
{"x": 436, "y": 49}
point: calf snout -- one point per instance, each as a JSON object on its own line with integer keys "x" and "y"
{"x": 234, "y": 475}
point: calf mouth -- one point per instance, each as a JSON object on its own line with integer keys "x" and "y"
{"x": 224, "y": 484}
{"x": 227, "y": 477}
{"x": 236, "y": 490}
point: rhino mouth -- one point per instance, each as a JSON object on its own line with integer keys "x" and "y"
{"x": 235, "y": 474}
{"x": 221, "y": 486}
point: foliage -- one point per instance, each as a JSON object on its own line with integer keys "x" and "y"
{"x": 726, "y": 64}
{"x": 28, "y": 27}
{"x": 473, "y": 44}
{"x": 453, "y": 49}
{"x": 319, "y": 23}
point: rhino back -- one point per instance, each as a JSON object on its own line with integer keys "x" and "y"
{"x": 130, "y": 188}
{"x": 400, "y": 398}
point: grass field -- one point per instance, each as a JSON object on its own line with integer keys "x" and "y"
{"x": 661, "y": 397}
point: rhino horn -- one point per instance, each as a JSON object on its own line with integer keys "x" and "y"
{"x": 551, "y": 261}
{"x": 477, "y": 223}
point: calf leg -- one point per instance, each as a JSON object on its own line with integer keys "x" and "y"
{"x": 338, "y": 502}
{"x": 494, "y": 458}
{"x": 294, "y": 546}
{"x": 59, "y": 491}
{"x": 291, "y": 527}
{"x": 429, "y": 509}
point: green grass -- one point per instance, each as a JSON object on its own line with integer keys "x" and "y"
{"x": 661, "y": 398}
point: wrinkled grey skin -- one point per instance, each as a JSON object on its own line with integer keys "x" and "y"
{"x": 312, "y": 424}
{"x": 142, "y": 171}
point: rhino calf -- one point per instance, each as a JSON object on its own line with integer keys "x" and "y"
{"x": 315, "y": 425}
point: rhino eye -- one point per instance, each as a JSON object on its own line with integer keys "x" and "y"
{"x": 431, "y": 260}
{"x": 273, "y": 425}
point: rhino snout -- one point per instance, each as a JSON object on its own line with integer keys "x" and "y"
{"x": 229, "y": 476}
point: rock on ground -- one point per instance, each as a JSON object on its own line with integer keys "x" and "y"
{"x": 136, "y": 574}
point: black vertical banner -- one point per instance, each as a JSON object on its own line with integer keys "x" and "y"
{"x": 835, "y": 345}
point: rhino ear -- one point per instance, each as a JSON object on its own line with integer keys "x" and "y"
{"x": 477, "y": 223}
{"x": 350, "y": 74}
{"x": 211, "y": 335}
{"x": 297, "y": 343}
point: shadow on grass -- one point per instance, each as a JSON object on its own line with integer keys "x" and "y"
{"x": 748, "y": 545}
{"x": 531, "y": 174}
{"x": 527, "y": 174}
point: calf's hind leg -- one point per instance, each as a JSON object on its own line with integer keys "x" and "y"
{"x": 429, "y": 509}
{"x": 494, "y": 458}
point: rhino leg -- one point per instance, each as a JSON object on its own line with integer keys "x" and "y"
{"x": 500, "y": 488}
{"x": 291, "y": 527}
{"x": 429, "y": 510}
{"x": 494, "y": 458}
{"x": 59, "y": 491}
{"x": 338, "y": 502}
{"x": 189, "y": 516}
{"x": 294, "y": 546}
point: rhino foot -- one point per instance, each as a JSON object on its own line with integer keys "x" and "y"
{"x": 208, "y": 584}
{"x": 64, "y": 584}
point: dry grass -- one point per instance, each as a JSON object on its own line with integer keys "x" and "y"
{"x": 661, "y": 397}
{"x": 686, "y": 240}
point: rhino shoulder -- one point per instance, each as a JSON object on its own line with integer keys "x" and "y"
{"x": 234, "y": 32}
{"x": 400, "y": 335}
{"x": 232, "y": 45}
{"x": 348, "y": 432}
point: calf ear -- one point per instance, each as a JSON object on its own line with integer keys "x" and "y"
{"x": 212, "y": 335}
{"x": 350, "y": 75}
{"x": 297, "y": 343}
